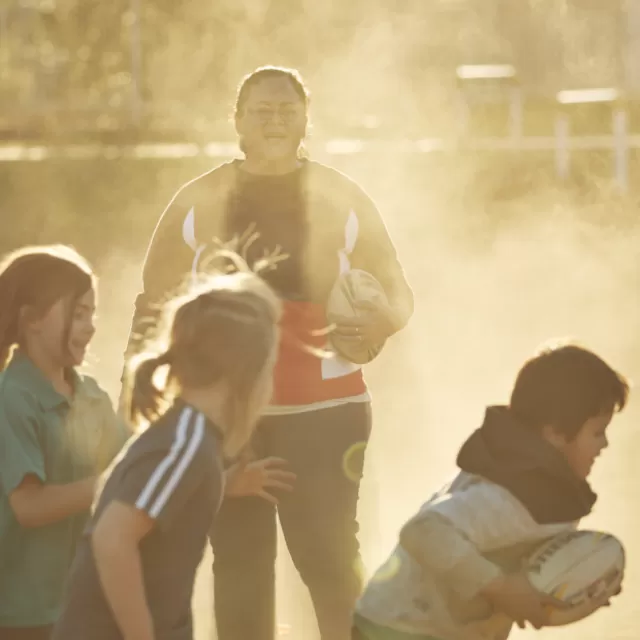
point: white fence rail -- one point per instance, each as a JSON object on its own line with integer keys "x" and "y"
{"x": 560, "y": 146}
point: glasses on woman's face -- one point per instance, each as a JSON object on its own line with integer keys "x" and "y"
{"x": 266, "y": 114}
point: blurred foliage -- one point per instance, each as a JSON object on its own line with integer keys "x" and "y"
{"x": 68, "y": 66}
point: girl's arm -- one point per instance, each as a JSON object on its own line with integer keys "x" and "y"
{"x": 115, "y": 541}
{"x": 34, "y": 501}
{"x": 35, "y": 504}
{"x": 150, "y": 487}
{"x": 115, "y": 434}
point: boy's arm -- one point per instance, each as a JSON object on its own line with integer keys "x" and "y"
{"x": 453, "y": 536}
{"x": 437, "y": 546}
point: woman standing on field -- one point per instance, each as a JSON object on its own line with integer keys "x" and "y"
{"x": 320, "y": 410}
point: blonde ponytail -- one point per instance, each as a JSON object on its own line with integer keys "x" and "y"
{"x": 144, "y": 398}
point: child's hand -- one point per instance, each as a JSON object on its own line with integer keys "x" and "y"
{"x": 517, "y": 598}
{"x": 258, "y": 478}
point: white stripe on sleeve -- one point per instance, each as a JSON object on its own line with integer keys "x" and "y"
{"x": 181, "y": 467}
{"x": 164, "y": 466}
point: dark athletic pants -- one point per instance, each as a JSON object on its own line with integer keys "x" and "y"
{"x": 325, "y": 448}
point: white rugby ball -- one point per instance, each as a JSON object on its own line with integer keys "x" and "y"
{"x": 354, "y": 286}
{"x": 580, "y": 568}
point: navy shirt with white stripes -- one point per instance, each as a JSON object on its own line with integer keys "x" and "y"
{"x": 172, "y": 471}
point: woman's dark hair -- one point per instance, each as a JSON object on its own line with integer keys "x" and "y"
{"x": 264, "y": 73}
{"x": 32, "y": 280}
{"x": 565, "y": 386}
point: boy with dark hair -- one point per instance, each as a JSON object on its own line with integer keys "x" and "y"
{"x": 523, "y": 478}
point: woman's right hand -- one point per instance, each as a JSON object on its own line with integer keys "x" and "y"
{"x": 516, "y": 597}
{"x": 259, "y": 478}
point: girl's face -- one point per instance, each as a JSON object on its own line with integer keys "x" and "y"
{"x": 62, "y": 335}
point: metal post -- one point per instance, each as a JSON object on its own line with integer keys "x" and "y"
{"x": 580, "y": 97}
{"x": 136, "y": 63}
{"x": 629, "y": 24}
{"x": 490, "y": 83}
{"x": 562, "y": 146}
{"x": 463, "y": 113}
{"x": 621, "y": 147}
{"x": 4, "y": 26}
{"x": 515, "y": 115}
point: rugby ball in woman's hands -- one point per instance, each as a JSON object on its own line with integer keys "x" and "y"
{"x": 350, "y": 291}
{"x": 581, "y": 568}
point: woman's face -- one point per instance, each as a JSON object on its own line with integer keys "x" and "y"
{"x": 273, "y": 120}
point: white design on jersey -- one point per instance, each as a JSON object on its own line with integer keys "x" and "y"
{"x": 338, "y": 367}
{"x": 189, "y": 229}
{"x": 189, "y": 236}
{"x": 351, "y": 230}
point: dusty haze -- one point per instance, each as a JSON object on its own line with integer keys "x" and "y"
{"x": 499, "y": 257}
{"x": 492, "y": 283}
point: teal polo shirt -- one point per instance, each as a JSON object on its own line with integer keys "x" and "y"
{"x": 40, "y": 434}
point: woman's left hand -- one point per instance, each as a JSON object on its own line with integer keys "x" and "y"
{"x": 373, "y": 327}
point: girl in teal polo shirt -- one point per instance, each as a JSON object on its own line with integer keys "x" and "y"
{"x": 58, "y": 431}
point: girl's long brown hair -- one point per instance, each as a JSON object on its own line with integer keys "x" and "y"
{"x": 32, "y": 280}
